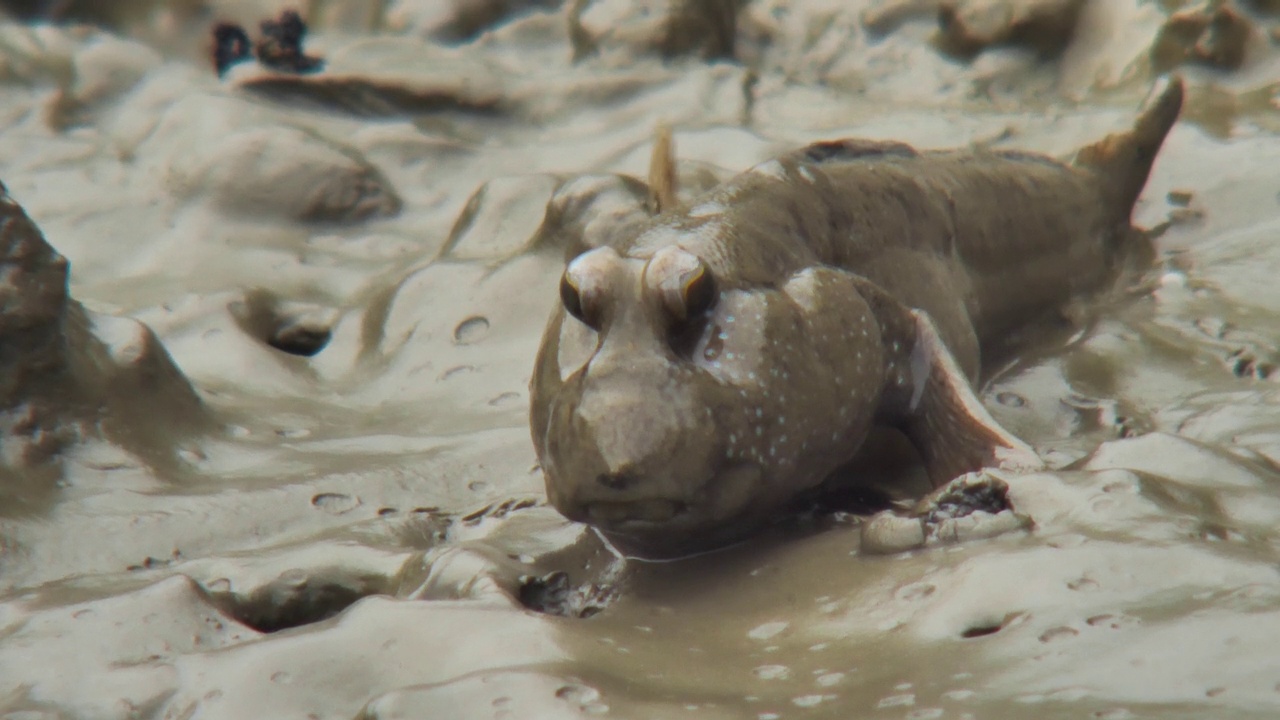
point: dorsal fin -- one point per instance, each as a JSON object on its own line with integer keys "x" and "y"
{"x": 663, "y": 184}
{"x": 1122, "y": 161}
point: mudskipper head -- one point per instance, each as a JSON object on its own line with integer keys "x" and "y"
{"x": 664, "y": 400}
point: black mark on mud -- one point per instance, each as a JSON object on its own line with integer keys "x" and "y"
{"x": 279, "y": 49}
{"x": 231, "y": 45}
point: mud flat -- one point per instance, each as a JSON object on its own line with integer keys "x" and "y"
{"x": 269, "y": 456}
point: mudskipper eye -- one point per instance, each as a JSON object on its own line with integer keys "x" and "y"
{"x": 572, "y": 299}
{"x": 699, "y": 292}
{"x": 687, "y": 290}
{"x": 683, "y": 283}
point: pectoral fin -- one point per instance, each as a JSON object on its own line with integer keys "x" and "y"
{"x": 946, "y": 420}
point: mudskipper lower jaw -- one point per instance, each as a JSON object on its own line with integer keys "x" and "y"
{"x": 719, "y": 360}
{"x": 662, "y": 526}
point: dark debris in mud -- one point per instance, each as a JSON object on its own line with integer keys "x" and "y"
{"x": 1245, "y": 363}
{"x": 280, "y": 47}
{"x": 152, "y": 563}
{"x": 1108, "y": 415}
{"x": 553, "y": 594}
{"x": 1128, "y": 427}
{"x": 966, "y": 499}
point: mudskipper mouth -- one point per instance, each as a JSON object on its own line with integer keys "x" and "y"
{"x": 635, "y": 513}
{"x": 705, "y": 518}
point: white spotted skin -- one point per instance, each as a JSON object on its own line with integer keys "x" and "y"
{"x": 771, "y": 168}
{"x": 807, "y": 364}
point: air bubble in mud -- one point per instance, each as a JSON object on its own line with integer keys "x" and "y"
{"x": 506, "y": 398}
{"x": 336, "y": 503}
{"x": 455, "y": 371}
{"x": 580, "y": 694}
{"x": 471, "y": 330}
{"x": 1058, "y": 633}
{"x": 1010, "y": 399}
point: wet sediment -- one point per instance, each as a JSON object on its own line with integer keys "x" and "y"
{"x": 265, "y": 437}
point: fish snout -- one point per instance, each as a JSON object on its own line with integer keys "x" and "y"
{"x": 625, "y": 457}
{"x": 648, "y": 467}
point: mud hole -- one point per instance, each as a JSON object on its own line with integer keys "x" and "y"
{"x": 270, "y": 457}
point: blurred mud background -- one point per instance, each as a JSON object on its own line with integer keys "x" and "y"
{"x": 308, "y": 490}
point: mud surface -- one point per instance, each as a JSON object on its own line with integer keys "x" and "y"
{"x": 353, "y": 267}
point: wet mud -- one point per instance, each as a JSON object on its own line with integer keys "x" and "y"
{"x": 265, "y": 429}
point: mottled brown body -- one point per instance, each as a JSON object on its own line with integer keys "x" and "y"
{"x": 726, "y": 358}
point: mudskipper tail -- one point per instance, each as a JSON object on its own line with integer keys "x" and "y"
{"x": 1122, "y": 161}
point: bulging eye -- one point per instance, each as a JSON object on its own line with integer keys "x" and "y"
{"x": 585, "y": 285}
{"x": 699, "y": 292}
{"x": 571, "y": 296}
{"x": 683, "y": 282}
